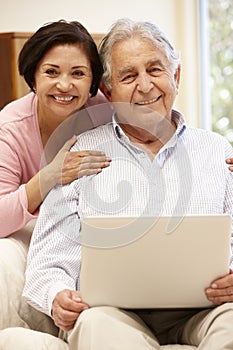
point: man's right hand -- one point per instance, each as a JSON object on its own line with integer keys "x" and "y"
{"x": 66, "y": 308}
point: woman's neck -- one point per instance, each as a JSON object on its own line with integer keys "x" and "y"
{"x": 47, "y": 125}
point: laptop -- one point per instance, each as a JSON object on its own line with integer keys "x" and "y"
{"x": 149, "y": 262}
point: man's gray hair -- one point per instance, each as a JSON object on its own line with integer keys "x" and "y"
{"x": 126, "y": 28}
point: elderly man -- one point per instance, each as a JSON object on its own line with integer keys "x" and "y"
{"x": 159, "y": 167}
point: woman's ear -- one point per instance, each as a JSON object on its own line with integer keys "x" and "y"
{"x": 105, "y": 91}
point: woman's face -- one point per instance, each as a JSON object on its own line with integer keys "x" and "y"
{"x": 62, "y": 81}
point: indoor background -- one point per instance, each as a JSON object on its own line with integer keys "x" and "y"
{"x": 178, "y": 18}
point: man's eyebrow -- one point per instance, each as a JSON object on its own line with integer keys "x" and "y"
{"x": 150, "y": 62}
{"x": 155, "y": 61}
{"x": 125, "y": 70}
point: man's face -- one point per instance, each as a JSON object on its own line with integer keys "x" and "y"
{"x": 142, "y": 77}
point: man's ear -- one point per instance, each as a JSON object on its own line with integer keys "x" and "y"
{"x": 105, "y": 91}
{"x": 177, "y": 77}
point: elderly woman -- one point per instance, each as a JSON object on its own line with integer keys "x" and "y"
{"x": 60, "y": 63}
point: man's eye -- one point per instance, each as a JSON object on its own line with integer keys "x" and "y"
{"x": 155, "y": 70}
{"x": 128, "y": 77}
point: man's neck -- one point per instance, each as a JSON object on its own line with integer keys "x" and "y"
{"x": 147, "y": 141}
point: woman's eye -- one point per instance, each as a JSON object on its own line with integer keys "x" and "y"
{"x": 51, "y": 72}
{"x": 78, "y": 73}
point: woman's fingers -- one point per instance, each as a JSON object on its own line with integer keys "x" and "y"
{"x": 230, "y": 162}
{"x": 83, "y": 163}
{"x": 68, "y": 166}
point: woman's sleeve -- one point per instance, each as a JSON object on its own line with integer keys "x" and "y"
{"x": 13, "y": 197}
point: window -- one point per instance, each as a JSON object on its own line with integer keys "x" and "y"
{"x": 217, "y": 65}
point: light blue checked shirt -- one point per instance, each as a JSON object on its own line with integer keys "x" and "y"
{"x": 188, "y": 176}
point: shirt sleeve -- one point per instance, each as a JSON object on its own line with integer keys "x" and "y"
{"x": 14, "y": 212}
{"x": 54, "y": 256}
{"x": 228, "y": 203}
{"x": 228, "y": 209}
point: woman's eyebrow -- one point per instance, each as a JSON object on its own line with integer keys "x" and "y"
{"x": 57, "y": 66}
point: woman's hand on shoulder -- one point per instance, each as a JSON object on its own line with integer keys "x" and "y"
{"x": 229, "y": 161}
{"x": 68, "y": 166}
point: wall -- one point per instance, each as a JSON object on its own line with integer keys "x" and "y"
{"x": 178, "y": 18}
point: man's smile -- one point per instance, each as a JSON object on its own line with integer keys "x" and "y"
{"x": 147, "y": 102}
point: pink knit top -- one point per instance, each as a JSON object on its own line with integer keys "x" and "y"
{"x": 21, "y": 153}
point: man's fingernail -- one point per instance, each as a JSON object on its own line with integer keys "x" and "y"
{"x": 76, "y": 298}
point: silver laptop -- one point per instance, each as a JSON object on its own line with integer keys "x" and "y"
{"x": 164, "y": 262}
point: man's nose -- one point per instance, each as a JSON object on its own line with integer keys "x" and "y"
{"x": 144, "y": 83}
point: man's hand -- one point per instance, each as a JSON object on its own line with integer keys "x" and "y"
{"x": 66, "y": 308}
{"x": 221, "y": 290}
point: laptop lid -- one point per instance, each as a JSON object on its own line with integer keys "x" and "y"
{"x": 164, "y": 262}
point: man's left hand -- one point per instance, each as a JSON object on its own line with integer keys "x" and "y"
{"x": 221, "y": 290}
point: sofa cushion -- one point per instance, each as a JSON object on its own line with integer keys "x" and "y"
{"x": 27, "y": 339}
{"x": 178, "y": 347}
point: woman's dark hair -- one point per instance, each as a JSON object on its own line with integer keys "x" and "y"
{"x": 53, "y": 34}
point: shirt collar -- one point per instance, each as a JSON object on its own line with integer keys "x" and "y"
{"x": 177, "y": 117}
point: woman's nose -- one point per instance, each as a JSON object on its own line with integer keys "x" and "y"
{"x": 64, "y": 83}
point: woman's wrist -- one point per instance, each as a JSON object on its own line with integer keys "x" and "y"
{"x": 47, "y": 180}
